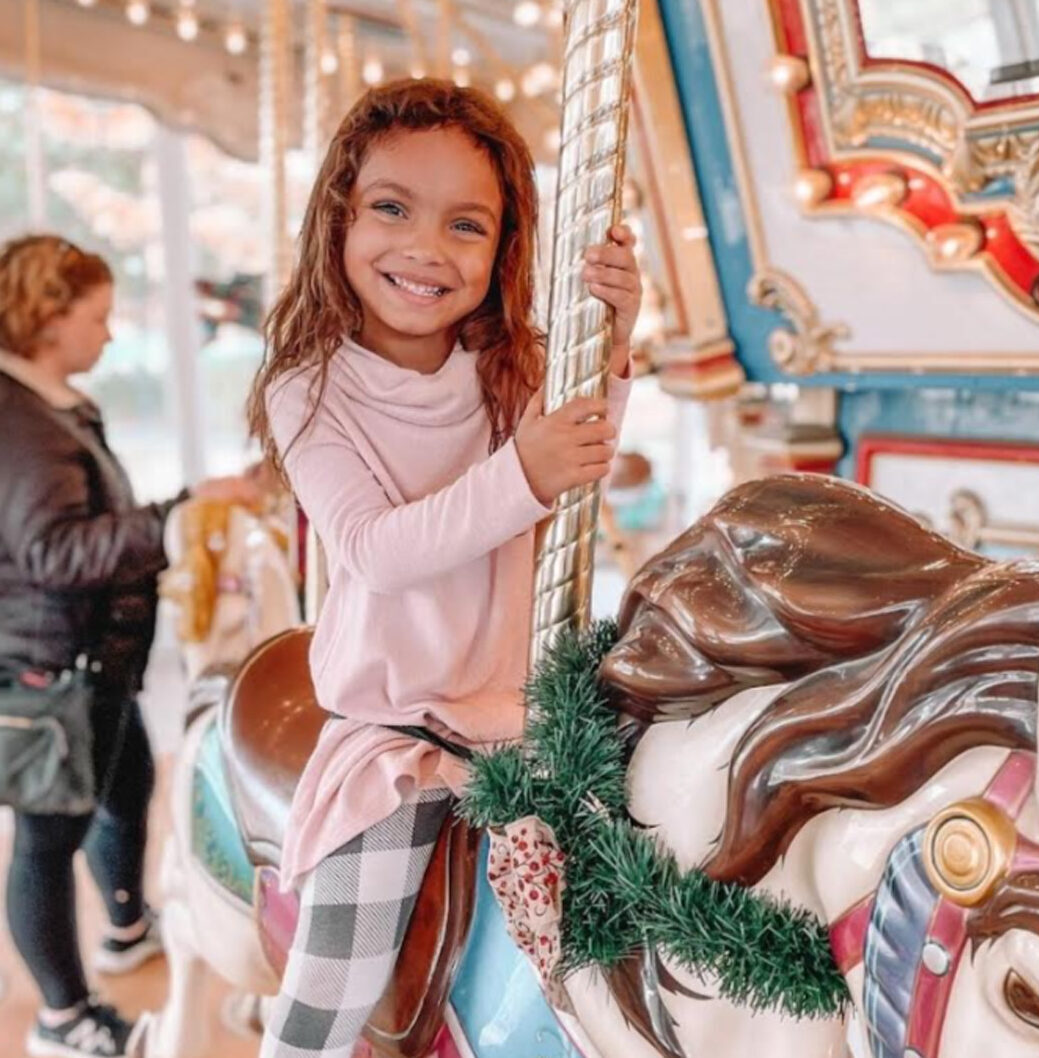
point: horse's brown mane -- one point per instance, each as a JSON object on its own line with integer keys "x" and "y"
{"x": 904, "y": 650}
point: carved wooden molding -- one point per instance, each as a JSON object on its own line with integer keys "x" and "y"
{"x": 808, "y": 347}
{"x": 969, "y": 526}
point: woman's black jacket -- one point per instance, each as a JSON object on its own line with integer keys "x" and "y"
{"x": 78, "y": 557}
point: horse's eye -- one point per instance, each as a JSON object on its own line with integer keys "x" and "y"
{"x": 1022, "y": 999}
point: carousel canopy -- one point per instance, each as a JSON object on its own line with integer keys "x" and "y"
{"x": 194, "y": 63}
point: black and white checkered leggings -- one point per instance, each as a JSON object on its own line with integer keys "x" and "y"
{"x": 354, "y": 910}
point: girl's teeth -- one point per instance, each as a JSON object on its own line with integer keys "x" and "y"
{"x": 416, "y": 288}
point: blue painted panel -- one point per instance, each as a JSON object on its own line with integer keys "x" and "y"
{"x": 749, "y": 325}
{"x": 939, "y": 413}
{"x": 497, "y": 997}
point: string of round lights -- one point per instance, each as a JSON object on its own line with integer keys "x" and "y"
{"x": 189, "y": 23}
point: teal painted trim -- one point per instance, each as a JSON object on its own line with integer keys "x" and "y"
{"x": 496, "y": 996}
{"x": 215, "y": 840}
{"x": 1000, "y": 187}
{"x": 749, "y": 325}
{"x": 890, "y": 143}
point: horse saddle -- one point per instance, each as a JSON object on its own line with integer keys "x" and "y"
{"x": 269, "y": 724}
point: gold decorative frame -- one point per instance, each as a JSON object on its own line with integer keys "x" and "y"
{"x": 891, "y": 131}
{"x": 809, "y": 344}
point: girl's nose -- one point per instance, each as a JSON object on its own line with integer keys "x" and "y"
{"x": 423, "y": 254}
{"x": 425, "y": 247}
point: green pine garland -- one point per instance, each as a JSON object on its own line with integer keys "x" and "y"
{"x": 623, "y": 891}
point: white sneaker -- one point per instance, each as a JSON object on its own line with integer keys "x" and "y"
{"x": 94, "y": 1031}
{"x": 115, "y": 956}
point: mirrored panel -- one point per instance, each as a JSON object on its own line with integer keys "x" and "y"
{"x": 990, "y": 46}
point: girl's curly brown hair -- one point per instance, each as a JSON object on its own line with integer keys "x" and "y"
{"x": 40, "y": 278}
{"x": 318, "y": 309}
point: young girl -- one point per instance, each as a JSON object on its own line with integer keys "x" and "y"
{"x": 400, "y": 398}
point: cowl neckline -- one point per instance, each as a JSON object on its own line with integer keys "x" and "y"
{"x": 449, "y": 395}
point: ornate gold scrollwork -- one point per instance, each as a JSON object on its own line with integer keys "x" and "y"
{"x": 1024, "y": 213}
{"x": 978, "y": 161}
{"x": 886, "y": 103}
{"x": 967, "y": 850}
{"x": 809, "y": 347}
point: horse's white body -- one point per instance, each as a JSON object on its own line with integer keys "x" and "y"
{"x": 678, "y": 784}
{"x": 204, "y": 927}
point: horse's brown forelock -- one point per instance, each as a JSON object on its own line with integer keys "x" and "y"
{"x": 782, "y": 578}
{"x": 880, "y": 622}
{"x": 871, "y": 732}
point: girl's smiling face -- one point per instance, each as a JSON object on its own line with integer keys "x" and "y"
{"x": 420, "y": 251}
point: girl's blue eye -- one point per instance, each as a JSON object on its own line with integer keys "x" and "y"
{"x": 392, "y": 209}
{"x": 470, "y": 227}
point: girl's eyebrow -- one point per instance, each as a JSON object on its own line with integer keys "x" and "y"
{"x": 389, "y": 185}
{"x": 403, "y": 192}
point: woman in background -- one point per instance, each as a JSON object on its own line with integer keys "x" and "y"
{"x": 79, "y": 560}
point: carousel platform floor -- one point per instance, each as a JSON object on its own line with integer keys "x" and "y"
{"x": 145, "y": 989}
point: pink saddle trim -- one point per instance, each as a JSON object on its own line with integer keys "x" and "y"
{"x": 277, "y": 914}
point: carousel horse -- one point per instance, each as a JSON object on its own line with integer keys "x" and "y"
{"x": 224, "y": 559}
{"x": 839, "y": 709}
{"x": 834, "y": 705}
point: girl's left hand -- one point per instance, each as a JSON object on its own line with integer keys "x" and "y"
{"x": 612, "y": 275}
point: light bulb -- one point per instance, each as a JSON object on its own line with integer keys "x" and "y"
{"x": 329, "y": 61}
{"x": 418, "y": 71}
{"x": 461, "y": 57}
{"x": 553, "y": 139}
{"x": 235, "y": 40}
{"x": 505, "y": 90}
{"x": 539, "y": 78}
{"x": 187, "y": 24}
{"x": 86, "y": 3}
{"x": 526, "y": 13}
{"x": 460, "y": 76}
{"x": 371, "y": 72}
{"x": 138, "y": 12}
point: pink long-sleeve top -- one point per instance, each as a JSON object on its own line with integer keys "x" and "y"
{"x": 430, "y": 549}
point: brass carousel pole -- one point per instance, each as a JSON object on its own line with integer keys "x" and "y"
{"x": 444, "y": 28}
{"x": 34, "y": 161}
{"x": 316, "y": 102}
{"x": 276, "y": 79}
{"x": 349, "y": 66}
{"x": 275, "y": 89}
{"x": 598, "y": 41}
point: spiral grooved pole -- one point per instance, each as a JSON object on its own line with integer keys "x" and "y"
{"x": 275, "y": 97}
{"x": 598, "y": 42}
